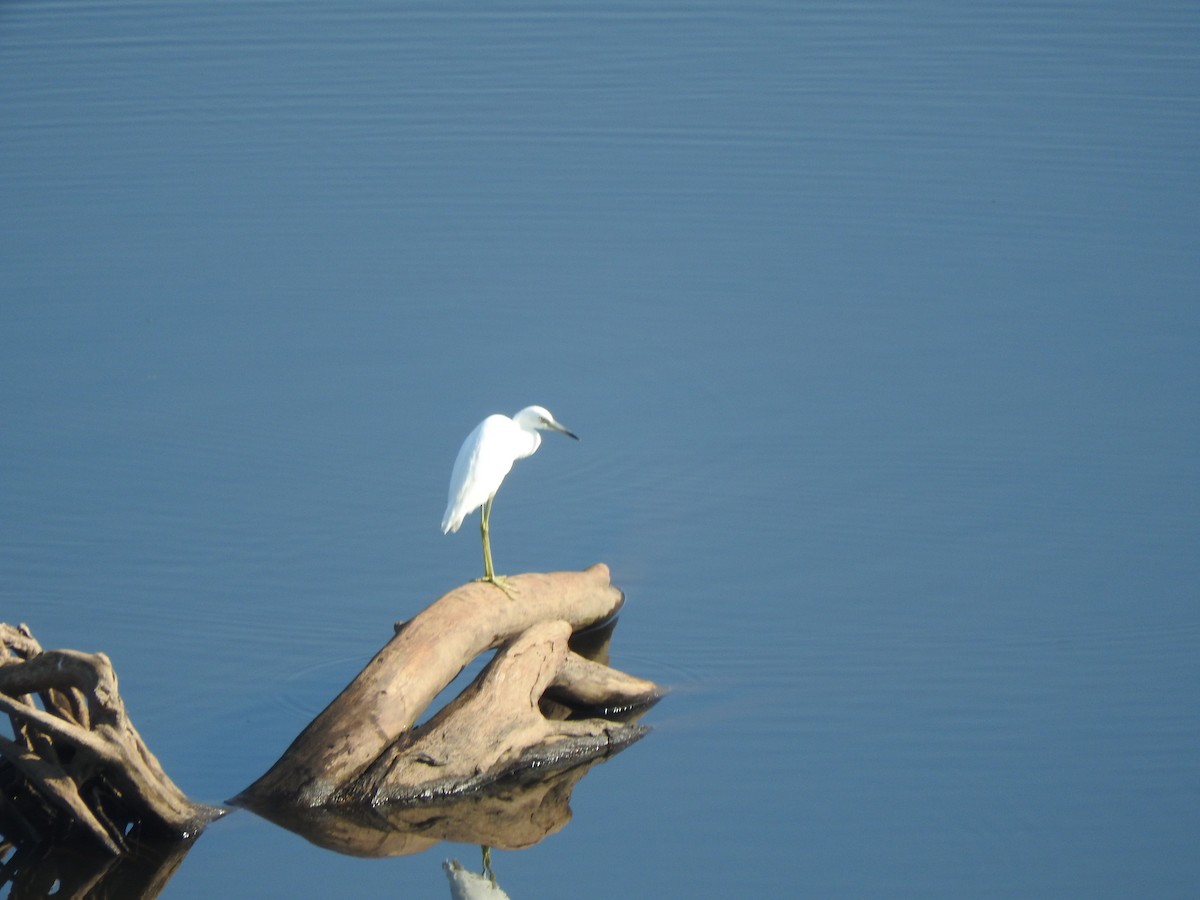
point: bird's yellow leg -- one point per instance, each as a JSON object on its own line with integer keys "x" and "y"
{"x": 484, "y": 514}
{"x": 489, "y": 573}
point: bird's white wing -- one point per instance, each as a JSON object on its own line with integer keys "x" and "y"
{"x": 482, "y": 462}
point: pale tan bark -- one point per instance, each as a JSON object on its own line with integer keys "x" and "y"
{"x": 364, "y": 748}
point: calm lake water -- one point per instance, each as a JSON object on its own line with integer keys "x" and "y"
{"x": 878, "y": 322}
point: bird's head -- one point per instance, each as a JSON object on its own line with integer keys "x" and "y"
{"x": 538, "y": 418}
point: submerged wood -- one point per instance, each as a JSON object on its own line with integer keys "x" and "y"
{"x": 75, "y": 764}
{"x": 364, "y": 748}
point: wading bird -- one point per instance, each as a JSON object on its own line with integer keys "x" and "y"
{"x": 487, "y": 455}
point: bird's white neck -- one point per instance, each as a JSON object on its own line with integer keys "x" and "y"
{"x": 534, "y": 440}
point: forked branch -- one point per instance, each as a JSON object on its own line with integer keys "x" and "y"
{"x": 536, "y": 703}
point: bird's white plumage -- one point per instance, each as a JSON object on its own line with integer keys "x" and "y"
{"x": 487, "y": 456}
{"x": 467, "y": 885}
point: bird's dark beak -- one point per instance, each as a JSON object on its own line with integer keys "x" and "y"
{"x": 562, "y": 430}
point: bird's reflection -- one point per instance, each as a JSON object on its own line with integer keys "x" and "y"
{"x": 468, "y": 885}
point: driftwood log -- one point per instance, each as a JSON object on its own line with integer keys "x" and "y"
{"x": 538, "y": 703}
{"x": 74, "y": 762}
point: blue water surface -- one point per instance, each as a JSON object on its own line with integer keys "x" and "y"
{"x": 878, "y": 323}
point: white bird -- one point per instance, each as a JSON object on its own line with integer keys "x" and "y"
{"x": 486, "y": 457}
{"x": 466, "y": 885}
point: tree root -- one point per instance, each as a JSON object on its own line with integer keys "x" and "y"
{"x": 75, "y": 763}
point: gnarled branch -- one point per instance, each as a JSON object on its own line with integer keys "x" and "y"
{"x": 537, "y": 703}
{"x": 76, "y": 759}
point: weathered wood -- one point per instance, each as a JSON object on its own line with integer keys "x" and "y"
{"x": 78, "y": 760}
{"x": 492, "y": 728}
{"x": 363, "y": 746}
{"x": 509, "y": 814}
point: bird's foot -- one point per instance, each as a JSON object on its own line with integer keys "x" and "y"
{"x": 503, "y": 583}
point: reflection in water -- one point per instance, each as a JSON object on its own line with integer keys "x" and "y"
{"x": 73, "y": 872}
{"x": 466, "y": 885}
{"x": 511, "y": 814}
